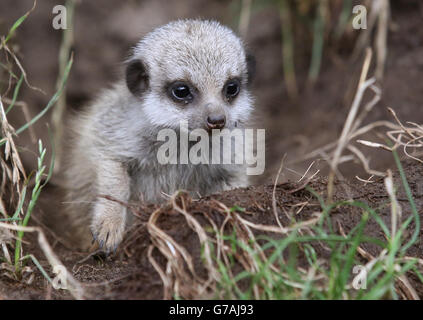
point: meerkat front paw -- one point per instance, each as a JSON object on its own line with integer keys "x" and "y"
{"x": 108, "y": 227}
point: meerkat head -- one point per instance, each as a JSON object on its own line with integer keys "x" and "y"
{"x": 194, "y": 71}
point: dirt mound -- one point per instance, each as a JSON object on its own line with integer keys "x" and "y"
{"x": 165, "y": 244}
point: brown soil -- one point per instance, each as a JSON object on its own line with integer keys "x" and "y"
{"x": 129, "y": 275}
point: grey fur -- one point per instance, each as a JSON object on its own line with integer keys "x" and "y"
{"x": 114, "y": 148}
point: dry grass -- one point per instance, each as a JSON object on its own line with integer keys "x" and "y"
{"x": 15, "y": 205}
{"x": 179, "y": 276}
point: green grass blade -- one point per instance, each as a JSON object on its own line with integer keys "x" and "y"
{"x": 15, "y": 93}
{"x": 411, "y": 201}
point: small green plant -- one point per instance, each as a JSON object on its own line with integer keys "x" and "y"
{"x": 36, "y": 190}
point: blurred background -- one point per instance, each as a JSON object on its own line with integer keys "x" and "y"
{"x": 308, "y": 54}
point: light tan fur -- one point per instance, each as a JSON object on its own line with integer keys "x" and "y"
{"x": 113, "y": 149}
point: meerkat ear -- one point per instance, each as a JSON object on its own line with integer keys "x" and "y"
{"x": 251, "y": 66}
{"x": 137, "y": 78}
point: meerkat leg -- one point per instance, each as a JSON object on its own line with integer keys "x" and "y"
{"x": 109, "y": 217}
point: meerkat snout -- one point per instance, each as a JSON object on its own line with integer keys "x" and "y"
{"x": 190, "y": 71}
{"x": 216, "y": 121}
{"x": 215, "y": 116}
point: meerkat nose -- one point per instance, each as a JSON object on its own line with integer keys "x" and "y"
{"x": 216, "y": 121}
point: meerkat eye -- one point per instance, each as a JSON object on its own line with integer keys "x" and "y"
{"x": 231, "y": 89}
{"x": 180, "y": 91}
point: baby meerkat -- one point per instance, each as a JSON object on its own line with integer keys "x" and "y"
{"x": 188, "y": 70}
